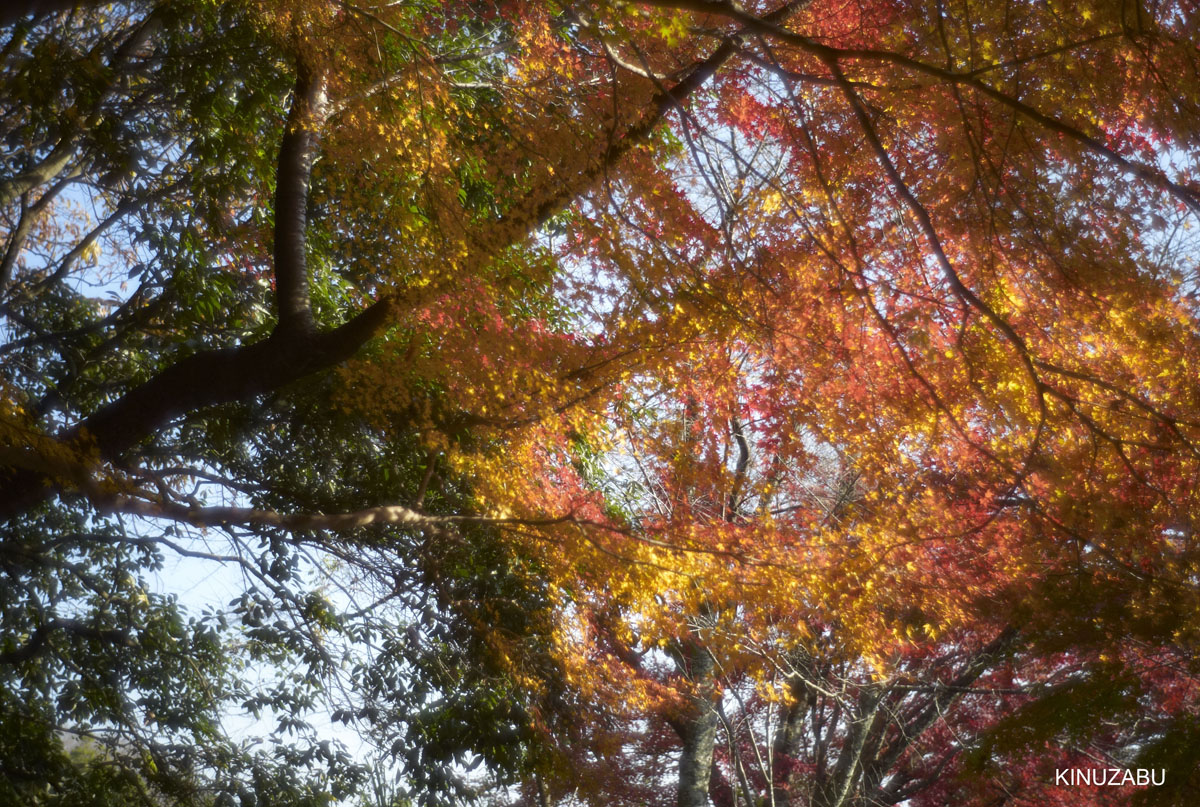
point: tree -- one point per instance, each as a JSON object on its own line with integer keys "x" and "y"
{"x": 603, "y": 342}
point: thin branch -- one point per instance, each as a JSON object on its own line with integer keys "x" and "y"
{"x": 761, "y": 25}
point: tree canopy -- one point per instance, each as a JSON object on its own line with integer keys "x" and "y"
{"x": 646, "y": 402}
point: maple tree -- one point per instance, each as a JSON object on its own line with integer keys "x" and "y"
{"x": 785, "y": 402}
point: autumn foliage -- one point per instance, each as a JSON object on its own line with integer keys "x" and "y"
{"x": 735, "y": 404}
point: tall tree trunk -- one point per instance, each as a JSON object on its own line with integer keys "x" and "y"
{"x": 698, "y": 727}
{"x": 787, "y": 739}
{"x": 860, "y": 727}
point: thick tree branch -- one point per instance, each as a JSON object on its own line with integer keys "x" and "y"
{"x": 40, "y": 174}
{"x": 335, "y": 522}
{"x": 203, "y": 379}
{"x": 16, "y": 241}
{"x": 244, "y": 516}
{"x": 41, "y": 637}
{"x": 222, "y": 376}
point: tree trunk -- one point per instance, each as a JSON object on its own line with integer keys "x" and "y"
{"x": 698, "y": 730}
{"x": 787, "y": 739}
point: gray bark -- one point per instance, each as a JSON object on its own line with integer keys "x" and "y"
{"x": 698, "y": 730}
